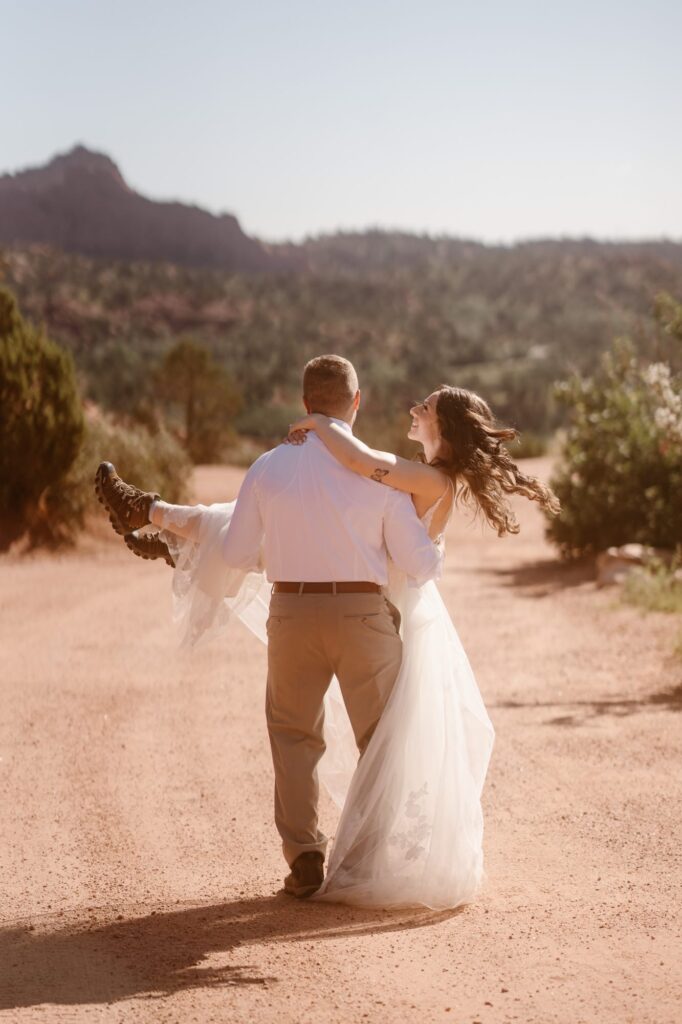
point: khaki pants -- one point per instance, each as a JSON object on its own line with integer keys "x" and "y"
{"x": 312, "y": 637}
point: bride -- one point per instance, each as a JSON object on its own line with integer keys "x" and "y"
{"x": 411, "y": 830}
{"x": 411, "y": 827}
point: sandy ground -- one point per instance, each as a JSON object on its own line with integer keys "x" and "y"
{"x": 140, "y": 868}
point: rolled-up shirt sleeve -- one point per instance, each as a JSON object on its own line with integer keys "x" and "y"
{"x": 408, "y": 542}
{"x": 244, "y": 536}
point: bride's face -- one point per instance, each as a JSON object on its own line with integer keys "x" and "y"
{"x": 425, "y": 421}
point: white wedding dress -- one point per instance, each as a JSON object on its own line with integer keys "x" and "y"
{"x": 411, "y": 827}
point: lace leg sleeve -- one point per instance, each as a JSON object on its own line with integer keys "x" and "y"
{"x": 182, "y": 520}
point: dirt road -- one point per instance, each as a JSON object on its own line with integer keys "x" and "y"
{"x": 139, "y": 865}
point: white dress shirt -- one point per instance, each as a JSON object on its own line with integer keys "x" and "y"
{"x": 303, "y": 516}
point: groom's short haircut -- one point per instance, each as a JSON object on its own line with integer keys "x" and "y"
{"x": 330, "y": 384}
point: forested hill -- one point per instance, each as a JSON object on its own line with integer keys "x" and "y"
{"x": 357, "y": 252}
{"x": 410, "y": 311}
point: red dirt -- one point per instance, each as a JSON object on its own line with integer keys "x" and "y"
{"x": 140, "y": 864}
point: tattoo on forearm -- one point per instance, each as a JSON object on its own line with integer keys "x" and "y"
{"x": 379, "y": 474}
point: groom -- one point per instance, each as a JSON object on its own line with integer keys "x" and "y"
{"x": 324, "y": 535}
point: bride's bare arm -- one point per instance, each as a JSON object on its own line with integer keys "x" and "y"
{"x": 414, "y": 477}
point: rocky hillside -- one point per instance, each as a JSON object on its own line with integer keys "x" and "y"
{"x": 81, "y": 203}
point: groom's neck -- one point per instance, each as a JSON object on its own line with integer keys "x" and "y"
{"x": 344, "y": 420}
{"x": 348, "y": 418}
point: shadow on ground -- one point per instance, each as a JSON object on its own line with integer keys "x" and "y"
{"x": 546, "y": 577}
{"x": 161, "y": 953}
{"x": 669, "y": 699}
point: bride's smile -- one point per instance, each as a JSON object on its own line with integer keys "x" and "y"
{"x": 424, "y": 426}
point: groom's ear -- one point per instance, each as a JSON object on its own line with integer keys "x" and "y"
{"x": 356, "y": 401}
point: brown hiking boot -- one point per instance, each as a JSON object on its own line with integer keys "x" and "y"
{"x": 148, "y": 545}
{"x": 307, "y": 875}
{"x": 128, "y": 506}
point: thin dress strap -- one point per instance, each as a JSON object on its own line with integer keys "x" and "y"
{"x": 430, "y": 513}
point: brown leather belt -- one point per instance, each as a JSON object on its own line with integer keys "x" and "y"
{"x": 349, "y": 587}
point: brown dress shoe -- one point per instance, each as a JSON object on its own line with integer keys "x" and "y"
{"x": 128, "y": 506}
{"x": 148, "y": 545}
{"x": 307, "y": 875}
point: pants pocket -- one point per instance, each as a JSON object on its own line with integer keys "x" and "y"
{"x": 275, "y": 623}
{"x": 381, "y": 623}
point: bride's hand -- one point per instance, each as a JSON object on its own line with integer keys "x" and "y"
{"x": 295, "y": 437}
{"x": 308, "y": 422}
{"x": 299, "y": 429}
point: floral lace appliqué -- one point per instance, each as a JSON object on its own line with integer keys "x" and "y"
{"x": 412, "y": 838}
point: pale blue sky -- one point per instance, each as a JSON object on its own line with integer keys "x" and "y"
{"x": 485, "y": 119}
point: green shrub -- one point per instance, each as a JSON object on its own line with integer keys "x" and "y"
{"x": 153, "y": 461}
{"x": 41, "y": 421}
{"x": 269, "y": 422}
{"x": 654, "y": 587}
{"x": 620, "y": 473}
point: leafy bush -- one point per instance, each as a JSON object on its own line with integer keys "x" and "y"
{"x": 620, "y": 478}
{"x": 152, "y": 461}
{"x": 268, "y": 422}
{"x": 655, "y": 587}
{"x": 41, "y": 420}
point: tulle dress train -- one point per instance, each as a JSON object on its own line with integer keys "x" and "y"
{"x": 411, "y": 825}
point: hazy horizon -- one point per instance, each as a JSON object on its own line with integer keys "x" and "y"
{"x": 494, "y": 125}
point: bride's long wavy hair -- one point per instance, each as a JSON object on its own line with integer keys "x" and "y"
{"x": 474, "y": 456}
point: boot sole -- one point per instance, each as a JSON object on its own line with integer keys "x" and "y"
{"x": 113, "y": 518}
{"x": 302, "y": 892}
{"x": 140, "y": 554}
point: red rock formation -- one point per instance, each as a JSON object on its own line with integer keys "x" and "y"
{"x": 81, "y": 203}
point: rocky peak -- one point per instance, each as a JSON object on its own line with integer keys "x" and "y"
{"x": 80, "y": 202}
{"x": 77, "y": 161}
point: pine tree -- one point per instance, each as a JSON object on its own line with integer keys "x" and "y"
{"x": 41, "y": 420}
{"x": 204, "y": 391}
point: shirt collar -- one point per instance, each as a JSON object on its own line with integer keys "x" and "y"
{"x": 342, "y": 423}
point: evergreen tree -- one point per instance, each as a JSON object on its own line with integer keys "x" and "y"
{"x": 208, "y": 399}
{"x": 41, "y": 420}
